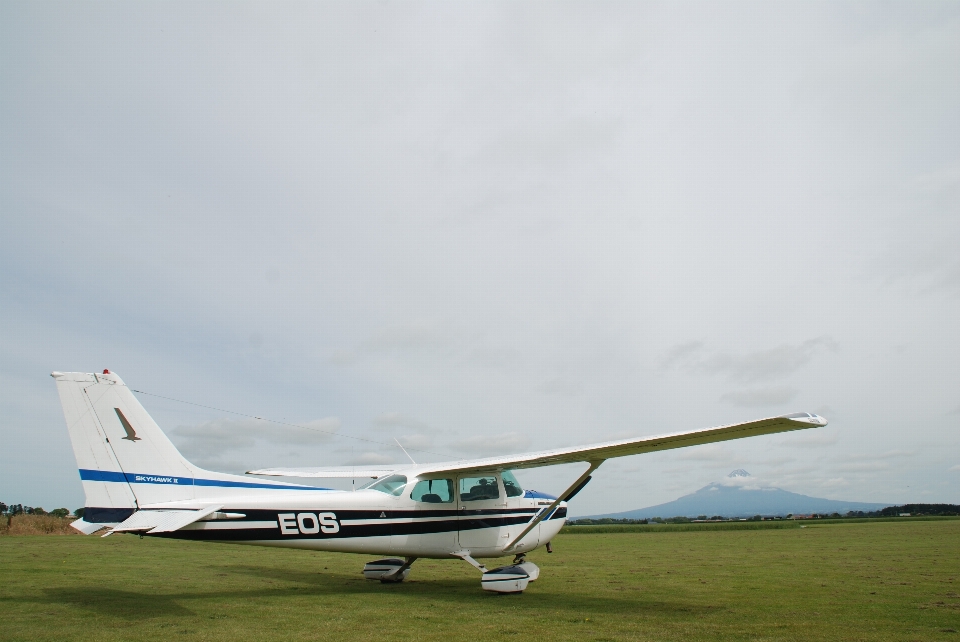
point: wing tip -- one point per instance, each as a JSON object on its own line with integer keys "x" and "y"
{"x": 806, "y": 418}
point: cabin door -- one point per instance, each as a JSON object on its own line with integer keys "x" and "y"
{"x": 480, "y": 504}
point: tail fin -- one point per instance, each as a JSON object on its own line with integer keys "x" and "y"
{"x": 118, "y": 444}
{"x": 125, "y": 460}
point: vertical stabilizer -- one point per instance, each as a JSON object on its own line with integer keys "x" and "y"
{"x": 125, "y": 460}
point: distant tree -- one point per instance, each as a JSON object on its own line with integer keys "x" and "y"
{"x": 921, "y": 509}
{"x": 3, "y": 508}
{"x": 35, "y": 511}
{"x": 701, "y": 516}
{"x": 78, "y": 512}
{"x": 60, "y": 512}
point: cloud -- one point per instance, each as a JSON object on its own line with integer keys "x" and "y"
{"x": 835, "y": 482}
{"x": 695, "y": 357}
{"x": 943, "y": 178}
{"x": 414, "y": 339}
{"x": 371, "y": 459}
{"x": 890, "y": 454}
{"x": 862, "y": 467}
{"x": 215, "y": 438}
{"x": 759, "y": 397}
{"x": 753, "y": 482}
{"x": 401, "y": 420}
{"x": 706, "y": 452}
{"x": 957, "y": 467}
{"x": 560, "y": 387}
{"x": 811, "y": 439}
{"x": 465, "y": 258}
{"x": 413, "y": 433}
{"x": 487, "y": 445}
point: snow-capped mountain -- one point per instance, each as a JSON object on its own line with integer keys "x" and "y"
{"x": 741, "y": 495}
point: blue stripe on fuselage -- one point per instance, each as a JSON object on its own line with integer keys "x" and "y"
{"x": 134, "y": 478}
{"x": 536, "y": 494}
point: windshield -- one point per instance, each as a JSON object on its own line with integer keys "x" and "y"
{"x": 511, "y": 485}
{"x": 392, "y": 485}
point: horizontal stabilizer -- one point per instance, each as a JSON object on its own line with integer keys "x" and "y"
{"x": 161, "y": 521}
{"x": 86, "y": 527}
{"x": 335, "y": 472}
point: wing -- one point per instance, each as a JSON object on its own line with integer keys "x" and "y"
{"x": 589, "y": 453}
{"x": 600, "y": 452}
{"x": 337, "y": 472}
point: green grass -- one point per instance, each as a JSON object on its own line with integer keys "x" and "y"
{"x": 592, "y": 529}
{"x": 865, "y": 581}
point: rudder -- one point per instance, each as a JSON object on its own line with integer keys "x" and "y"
{"x": 124, "y": 458}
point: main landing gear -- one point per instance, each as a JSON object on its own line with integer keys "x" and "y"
{"x": 513, "y": 578}
{"x": 389, "y": 571}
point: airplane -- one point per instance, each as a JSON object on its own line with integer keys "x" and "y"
{"x": 136, "y": 481}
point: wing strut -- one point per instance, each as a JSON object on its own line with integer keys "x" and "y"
{"x": 575, "y": 486}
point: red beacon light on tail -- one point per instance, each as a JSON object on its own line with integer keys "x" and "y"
{"x": 105, "y": 371}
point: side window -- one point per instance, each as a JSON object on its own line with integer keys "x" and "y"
{"x": 473, "y": 489}
{"x": 433, "y": 491}
{"x": 511, "y": 485}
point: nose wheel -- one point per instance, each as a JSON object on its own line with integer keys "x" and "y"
{"x": 505, "y": 579}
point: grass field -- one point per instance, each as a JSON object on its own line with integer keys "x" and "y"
{"x": 862, "y": 581}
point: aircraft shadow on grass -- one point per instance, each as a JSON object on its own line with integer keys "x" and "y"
{"x": 134, "y": 605}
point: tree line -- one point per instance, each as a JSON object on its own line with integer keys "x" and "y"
{"x": 19, "y": 509}
{"x": 889, "y": 511}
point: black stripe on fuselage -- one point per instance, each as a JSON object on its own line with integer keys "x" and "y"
{"x": 382, "y": 527}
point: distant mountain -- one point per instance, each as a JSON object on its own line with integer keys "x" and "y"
{"x": 742, "y": 496}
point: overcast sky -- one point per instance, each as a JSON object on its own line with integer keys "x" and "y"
{"x": 485, "y": 228}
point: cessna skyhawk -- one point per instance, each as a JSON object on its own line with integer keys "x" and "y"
{"x": 136, "y": 481}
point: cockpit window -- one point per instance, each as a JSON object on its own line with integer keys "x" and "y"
{"x": 511, "y": 485}
{"x": 392, "y": 485}
{"x": 474, "y": 489}
{"x": 433, "y": 491}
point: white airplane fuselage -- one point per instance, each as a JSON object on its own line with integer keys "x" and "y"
{"x": 372, "y": 522}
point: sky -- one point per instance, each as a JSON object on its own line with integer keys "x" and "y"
{"x": 483, "y": 228}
